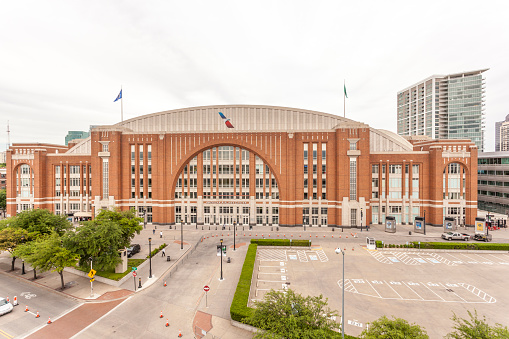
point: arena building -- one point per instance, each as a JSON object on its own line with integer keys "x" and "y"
{"x": 250, "y": 165}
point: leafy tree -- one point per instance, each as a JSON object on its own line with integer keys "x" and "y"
{"x": 10, "y": 238}
{"x": 385, "y": 328}
{"x": 476, "y": 328}
{"x": 3, "y": 199}
{"x": 48, "y": 254}
{"x": 127, "y": 220}
{"x": 40, "y": 222}
{"x": 25, "y": 250}
{"x": 102, "y": 237}
{"x": 291, "y": 315}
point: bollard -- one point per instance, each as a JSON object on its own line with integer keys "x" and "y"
{"x": 333, "y": 229}
{"x": 139, "y": 281}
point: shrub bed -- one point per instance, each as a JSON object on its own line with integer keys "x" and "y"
{"x": 281, "y": 242}
{"x": 239, "y": 309}
{"x": 154, "y": 251}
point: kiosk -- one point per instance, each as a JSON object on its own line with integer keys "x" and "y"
{"x": 390, "y": 224}
{"x": 419, "y": 225}
{"x": 450, "y": 224}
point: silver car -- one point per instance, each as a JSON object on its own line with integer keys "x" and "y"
{"x": 5, "y": 306}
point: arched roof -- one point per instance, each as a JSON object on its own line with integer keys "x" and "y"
{"x": 245, "y": 118}
{"x": 252, "y": 118}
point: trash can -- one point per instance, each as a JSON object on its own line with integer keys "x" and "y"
{"x": 167, "y": 258}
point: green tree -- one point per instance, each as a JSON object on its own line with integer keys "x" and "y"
{"x": 476, "y": 328}
{"x": 101, "y": 238}
{"x": 48, "y": 254}
{"x": 3, "y": 200}
{"x": 10, "y": 238}
{"x": 291, "y": 315}
{"x": 25, "y": 250}
{"x": 40, "y": 222}
{"x": 385, "y": 328}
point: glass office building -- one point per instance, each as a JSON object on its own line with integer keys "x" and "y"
{"x": 444, "y": 107}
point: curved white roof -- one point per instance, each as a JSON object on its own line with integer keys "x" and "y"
{"x": 245, "y": 118}
{"x": 252, "y": 118}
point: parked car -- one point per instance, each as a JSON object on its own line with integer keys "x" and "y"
{"x": 5, "y": 306}
{"x": 483, "y": 237}
{"x": 133, "y": 249}
{"x": 455, "y": 236}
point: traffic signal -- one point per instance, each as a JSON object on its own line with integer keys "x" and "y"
{"x": 224, "y": 249}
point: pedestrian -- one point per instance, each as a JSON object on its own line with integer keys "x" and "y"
{"x": 154, "y": 231}
{"x": 163, "y": 253}
{"x": 161, "y": 234}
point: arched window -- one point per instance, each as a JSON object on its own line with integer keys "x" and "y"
{"x": 225, "y": 180}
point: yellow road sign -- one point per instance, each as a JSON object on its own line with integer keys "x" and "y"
{"x": 92, "y": 273}
{"x": 92, "y": 279}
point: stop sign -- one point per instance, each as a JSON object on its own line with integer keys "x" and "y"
{"x": 206, "y": 288}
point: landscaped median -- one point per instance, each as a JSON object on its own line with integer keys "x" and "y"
{"x": 447, "y": 246}
{"x": 239, "y": 311}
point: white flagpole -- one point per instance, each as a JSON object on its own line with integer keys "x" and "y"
{"x": 344, "y": 99}
{"x": 121, "y": 105}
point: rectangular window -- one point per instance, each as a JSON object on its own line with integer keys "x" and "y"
{"x": 315, "y": 151}
{"x": 106, "y": 187}
{"x": 141, "y": 152}
{"x": 149, "y": 152}
{"x": 306, "y": 152}
{"x": 353, "y": 179}
{"x": 374, "y": 169}
{"x": 324, "y": 152}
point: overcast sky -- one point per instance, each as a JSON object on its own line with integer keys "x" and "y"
{"x": 62, "y": 62}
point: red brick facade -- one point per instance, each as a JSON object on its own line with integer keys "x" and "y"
{"x": 155, "y": 171}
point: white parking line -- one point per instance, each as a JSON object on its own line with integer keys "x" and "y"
{"x": 423, "y": 284}
{"x": 392, "y": 289}
{"x": 411, "y": 289}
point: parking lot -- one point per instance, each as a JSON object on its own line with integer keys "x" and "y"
{"x": 424, "y": 287}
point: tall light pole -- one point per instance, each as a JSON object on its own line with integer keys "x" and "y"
{"x": 182, "y": 235}
{"x": 150, "y": 257}
{"x": 234, "y": 230}
{"x": 221, "y": 257}
{"x": 339, "y": 250}
{"x": 91, "y": 280}
{"x": 424, "y": 222}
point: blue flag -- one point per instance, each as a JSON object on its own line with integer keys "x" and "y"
{"x": 119, "y": 96}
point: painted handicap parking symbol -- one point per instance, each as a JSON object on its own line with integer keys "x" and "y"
{"x": 421, "y": 260}
{"x": 434, "y": 261}
{"x": 292, "y": 257}
{"x": 393, "y": 259}
{"x": 313, "y": 257}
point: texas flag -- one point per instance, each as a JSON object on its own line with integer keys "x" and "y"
{"x": 226, "y": 121}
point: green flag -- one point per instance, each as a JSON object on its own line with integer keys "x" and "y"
{"x": 346, "y": 95}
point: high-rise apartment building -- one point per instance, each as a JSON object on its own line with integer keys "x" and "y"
{"x": 502, "y": 135}
{"x": 444, "y": 107}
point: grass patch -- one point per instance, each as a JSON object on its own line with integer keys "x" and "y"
{"x": 281, "y": 242}
{"x": 110, "y": 274}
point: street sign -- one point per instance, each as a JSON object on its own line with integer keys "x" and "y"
{"x": 206, "y": 288}
{"x": 134, "y": 274}
{"x": 92, "y": 279}
{"x": 92, "y": 273}
{"x": 134, "y": 268}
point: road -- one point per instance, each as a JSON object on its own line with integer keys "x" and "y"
{"x": 38, "y": 299}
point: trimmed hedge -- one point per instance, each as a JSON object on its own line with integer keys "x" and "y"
{"x": 154, "y": 251}
{"x": 239, "y": 309}
{"x": 449, "y": 246}
{"x": 281, "y": 242}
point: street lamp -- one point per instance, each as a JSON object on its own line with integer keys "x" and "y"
{"x": 22, "y": 260}
{"x": 144, "y": 217}
{"x": 424, "y": 222}
{"x": 182, "y": 235}
{"x": 361, "y": 219}
{"x": 339, "y": 250}
{"x": 234, "y": 230}
{"x": 221, "y": 257}
{"x": 150, "y": 257}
